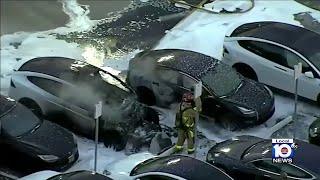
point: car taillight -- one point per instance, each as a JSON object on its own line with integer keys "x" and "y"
{"x": 11, "y": 84}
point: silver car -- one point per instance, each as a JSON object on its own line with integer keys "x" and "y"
{"x": 65, "y": 91}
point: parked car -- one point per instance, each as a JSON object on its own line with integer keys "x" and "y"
{"x": 162, "y": 76}
{"x": 75, "y": 175}
{"x": 30, "y": 142}
{"x": 248, "y": 157}
{"x": 65, "y": 90}
{"x": 314, "y": 132}
{"x": 145, "y": 166}
{"x": 268, "y": 51}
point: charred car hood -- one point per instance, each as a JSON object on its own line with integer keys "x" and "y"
{"x": 235, "y": 147}
{"x": 252, "y": 95}
{"x": 50, "y": 139}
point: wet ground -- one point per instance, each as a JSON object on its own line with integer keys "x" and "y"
{"x": 315, "y": 4}
{"x": 140, "y": 26}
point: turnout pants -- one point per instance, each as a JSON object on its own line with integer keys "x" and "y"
{"x": 185, "y": 134}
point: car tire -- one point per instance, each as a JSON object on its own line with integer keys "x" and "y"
{"x": 32, "y": 105}
{"x": 146, "y": 96}
{"x": 228, "y": 122}
{"x": 246, "y": 71}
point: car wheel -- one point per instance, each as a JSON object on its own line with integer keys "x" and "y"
{"x": 32, "y": 105}
{"x": 246, "y": 71}
{"x": 146, "y": 96}
{"x": 228, "y": 122}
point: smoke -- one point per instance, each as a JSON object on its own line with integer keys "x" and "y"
{"x": 78, "y": 14}
{"x": 119, "y": 106}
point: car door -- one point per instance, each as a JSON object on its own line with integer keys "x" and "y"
{"x": 268, "y": 62}
{"x": 166, "y": 84}
{"x": 307, "y": 87}
{"x": 59, "y": 97}
{"x": 269, "y": 170}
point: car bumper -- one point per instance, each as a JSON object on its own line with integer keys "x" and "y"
{"x": 258, "y": 119}
{"x": 65, "y": 163}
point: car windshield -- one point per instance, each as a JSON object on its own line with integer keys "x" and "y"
{"x": 315, "y": 60}
{"x": 18, "y": 121}
{"x": 222, "y": 79}
{"x": 263, "y": 147}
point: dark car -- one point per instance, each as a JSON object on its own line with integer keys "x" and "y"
{"x": 66, "y": 90}
{"x": 314, "y": 132}
{"x": 162, "y": 76}
{"x": 249, "y": 157}
{"x": 80, "y": 175}
{"x": 145, "y": 166}
{"x": 32, "y": 142}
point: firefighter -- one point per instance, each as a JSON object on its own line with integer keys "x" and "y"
{"x": 185, "y": 120}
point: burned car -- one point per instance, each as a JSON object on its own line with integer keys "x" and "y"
{"x": 65, "y": 91}
{"x": 162, "y": 76}
{"x": 314, "y": 132}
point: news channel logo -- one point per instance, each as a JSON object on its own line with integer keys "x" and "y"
{"x": 283, "y": 150}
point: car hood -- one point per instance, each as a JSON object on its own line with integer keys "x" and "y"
{"x": 235, "y": 147}
{"x": 252, "y": 95}
{"x": 315, "y": 125}
{"x": 51, "y": 139}
{"x": 125, "y": 166}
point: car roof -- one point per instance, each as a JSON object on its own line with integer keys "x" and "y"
{"x": 189, "y": 62}
{"x": 54, "y": 66}
{"x": 80, "y": 175}
{"x": 183, "y": 166}
{"x": 300, "y": 39}
{"x": 6, "y": 105}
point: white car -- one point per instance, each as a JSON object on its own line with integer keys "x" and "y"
{"x": 146, "y": 166}
{"x": 75, "y": 175}
{"x": 268, "y": 51}
{"x": 64, "y": 91}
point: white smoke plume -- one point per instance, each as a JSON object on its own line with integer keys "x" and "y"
{"x": 78, "y": 14}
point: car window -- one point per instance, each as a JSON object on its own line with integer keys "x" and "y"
{"x": 268, "y": 51}
{"x": 51, "y": 86}
{"x": 267, "y": 165}
{"x": 290, "y": 170}
{"x": 168, "y": 75}
{"x": 293, "y": 59}
{"x": 315, "y": 60}
{"x": 156, "y": 177}
{"x": 187, "y": 81}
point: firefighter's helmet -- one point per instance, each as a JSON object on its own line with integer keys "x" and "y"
{"x": 187, "y": 97}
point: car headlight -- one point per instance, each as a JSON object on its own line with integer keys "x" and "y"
{"x": 313, "y": 132}
{"x": 49, "y": 158}
{"x": 246, "y": 111}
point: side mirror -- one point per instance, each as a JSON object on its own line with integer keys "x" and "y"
{"x": 283, "y": 175}
{"x": 309, "y": 74}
